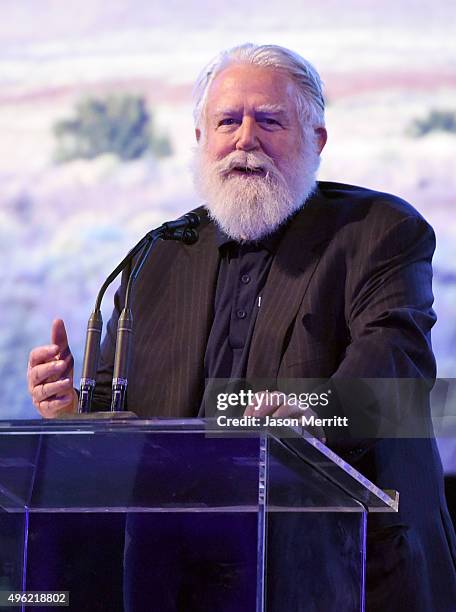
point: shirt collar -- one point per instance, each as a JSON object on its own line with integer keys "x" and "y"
{"x": 269, "y": 242}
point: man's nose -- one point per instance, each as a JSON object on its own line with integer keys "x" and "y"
{"x": 247, "y": 135}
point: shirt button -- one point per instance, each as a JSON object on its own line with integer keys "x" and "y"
{"x": 241, "y": 314}
{"x": 245, "y": 278}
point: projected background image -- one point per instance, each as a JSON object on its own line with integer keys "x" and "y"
{"x": 96, "y": 139}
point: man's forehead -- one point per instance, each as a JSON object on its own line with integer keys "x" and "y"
{"x": 242, "y": 75}
{"x": 267, "y": 89}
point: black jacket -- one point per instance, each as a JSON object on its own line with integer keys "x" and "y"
{"x": 348, "y": 296}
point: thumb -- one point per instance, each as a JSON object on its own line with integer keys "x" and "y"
{"x": 59, "y": 337}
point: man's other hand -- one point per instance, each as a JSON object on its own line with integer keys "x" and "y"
{"x": 50, "y": 375}
{"x": 274, "y": 404}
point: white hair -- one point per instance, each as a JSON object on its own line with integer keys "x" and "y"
{"x": 310, "y": 101}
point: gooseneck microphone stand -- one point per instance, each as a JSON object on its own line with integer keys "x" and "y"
{"x": 182, "y": 230}
{"x": 125, "y": 333}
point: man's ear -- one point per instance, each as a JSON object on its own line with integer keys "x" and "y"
{"x": 322, "y": 137}
{"x": 197, "y": 134}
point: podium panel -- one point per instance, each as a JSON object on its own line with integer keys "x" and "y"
{"x": 121, "y": 513}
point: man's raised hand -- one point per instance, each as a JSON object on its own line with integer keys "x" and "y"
{"x": 50, "y": 375}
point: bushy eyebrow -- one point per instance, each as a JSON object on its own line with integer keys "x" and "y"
{"x": 273, "y": 109}
{"x": 225, "y": 110}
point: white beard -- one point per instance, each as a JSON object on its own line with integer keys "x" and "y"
{"x": 248, "y": 207}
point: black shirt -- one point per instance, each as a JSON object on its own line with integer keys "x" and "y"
{"x": 243, "y": 271}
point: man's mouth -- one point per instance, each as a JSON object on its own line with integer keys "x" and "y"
{"x": 247, "y": 171}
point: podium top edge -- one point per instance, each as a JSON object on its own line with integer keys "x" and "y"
{"x": 302, "y": 443}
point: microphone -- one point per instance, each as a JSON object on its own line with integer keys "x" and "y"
{"x": 93, "y": 336}
{"x": 124, "y": 336}
{"x": 188, "y": 221}
{"x": 182, "y": 230}
{"x": 187, "y": 236}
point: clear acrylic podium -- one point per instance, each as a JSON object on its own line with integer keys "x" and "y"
{"x": 66, "y": 487}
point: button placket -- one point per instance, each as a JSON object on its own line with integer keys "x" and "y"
{"x": 240, "y": 313}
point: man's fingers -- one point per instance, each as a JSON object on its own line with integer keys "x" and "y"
{"x": 43, "y": 354}
{"x": 265, "y": 403}
{"x": 59, "y": 337}
{"x": 47, "y": 372}
{"x": 61, "y": 388}
{"x": 286, "y": 410}
{"x": 52, "y": 408}
{"x": 67, "y": 357}
{"x": 291, "y": 411}
{"x": 275, "y": 404}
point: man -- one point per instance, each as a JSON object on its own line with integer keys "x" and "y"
{"x": 290, "y": 279}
